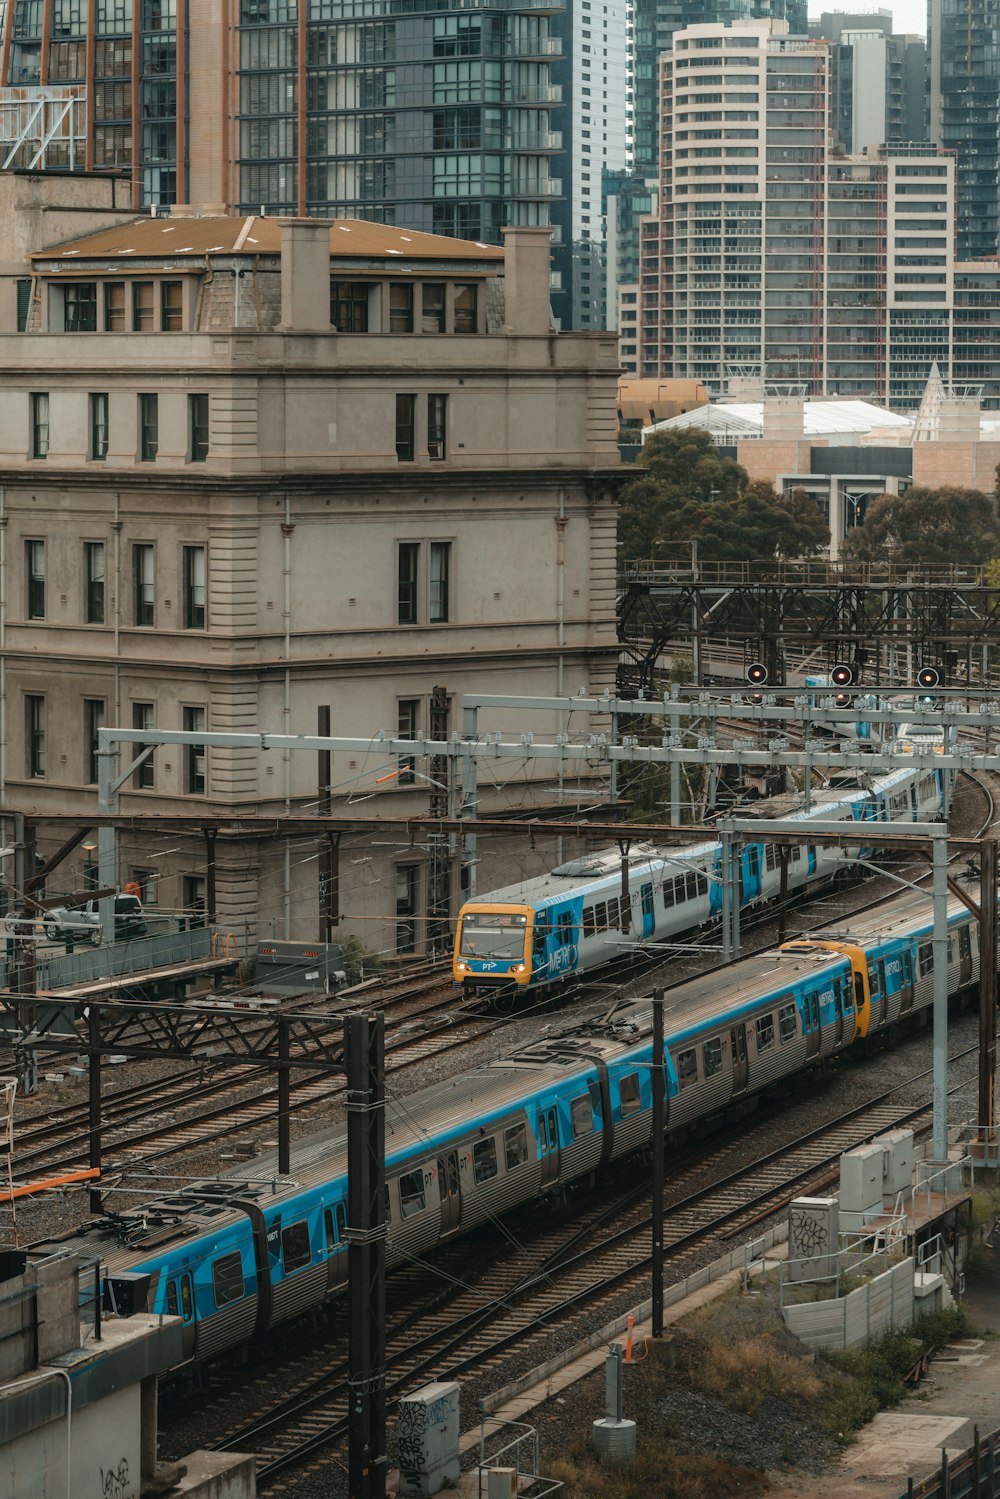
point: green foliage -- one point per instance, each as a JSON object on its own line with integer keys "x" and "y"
{"x": 691, "y": 493}
{"x": 877, "y": 1372}
{"x": 359, "y": 962}
{"x": 928, "y": 527}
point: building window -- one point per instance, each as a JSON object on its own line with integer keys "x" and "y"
{"x": 433, "y": 304}
{"x": 24, "y": 290}
{"x": 93, "y": 719}
{"x": 99, "y": 426}
{"x": 39, "y": 424}
{"x": 34, "y": 572}
{"x": 171, "y": 307}
{"x": 142, "y": 718}
{"x": 406, "y": 408}
{"x": 194, "y": 723}
{"x": 34, "y": 722}
{"x": 198, "y": 423}
{"x": 194, "y": 898}
{"x": 114, "y": 307}
{"x": 144, "y": 881}
{"x": 400, "y": 307}
{"x": 194, "y": 588}
{"x": 80, "y": 307}
{"x": 93, "y": 561}
{"x": 440, "y": 569}
{"x": 149, "y": 427}
{"x": 349, "y": 306}
{"x": 408, "y": 721}
{"x": 408, "y": 572}
{"x": 144, "y": 582}
{"x": 407, "y": 885}
{"x": 466, "y": 308}
{"x": 437, "y": 410}
{"x": 142, "y": 306}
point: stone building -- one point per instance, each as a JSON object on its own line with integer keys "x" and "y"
{"x": 263, "y": 474}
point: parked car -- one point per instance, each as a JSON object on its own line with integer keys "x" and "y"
{"x": 83, "y": 923}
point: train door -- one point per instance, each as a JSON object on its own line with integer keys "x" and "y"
{"x": 879, "y": 995}
{"x": 964, "y": 954}
{"x": 547, "y": 1130}
{"x": 335, "y": 1234}
{"x": 905, "y": 983}
{"x": 838, "y": 1014}
{"x": 646, "y": 894}
{"x": 750, "y": 873}
{"x": 450, "y": 1192}
{"x": 180, "y": 1303}
{"x": 812, "y": 1026}
{"x": 741, "y": 1070}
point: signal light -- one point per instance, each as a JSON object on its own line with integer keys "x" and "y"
{"x": 756, "y": 673}
{"x": 928, "y": 676}
{"x": 842, "y": 675}
{"x": 842, "y": 700}
{"x": 756, "y": 698}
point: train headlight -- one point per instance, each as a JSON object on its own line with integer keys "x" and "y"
{"x": 460, "y": 967}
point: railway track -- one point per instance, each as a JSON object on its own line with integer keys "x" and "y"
{"x": 570, "y": 1276}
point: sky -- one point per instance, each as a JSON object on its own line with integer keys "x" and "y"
{"x": 907, "y": 15}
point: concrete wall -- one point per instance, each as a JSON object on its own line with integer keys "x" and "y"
{"x": 847, "y": 1321}
{"x": 105, "y": 1452}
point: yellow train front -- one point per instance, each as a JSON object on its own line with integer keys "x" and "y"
{"x": 493, "y": 947}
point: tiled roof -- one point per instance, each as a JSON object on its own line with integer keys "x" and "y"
{"x": 254, "y": 235}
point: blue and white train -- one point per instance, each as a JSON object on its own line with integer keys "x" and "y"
{"x": 576, "y": 918}
{"x": 236, "y": 1257}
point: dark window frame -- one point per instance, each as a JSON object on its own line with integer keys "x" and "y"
{"x": 38, "y": 412}
{"x": 95, "y": 581}
{"x": 296, "y": 1248}
{"x": 35, "y": 733}
{"x": 406, "y": 427}
{"x": 194, "y": 560}
{"x": 143, "y": 587}
{"x": 195, "y": 719}
{"x": 198, "y": 426}
{"x": 224, "y": 1279}
{"x": 34, "y": 578}
{"x": 149, "y": 426}
{"x": 100, "y": 422}
{"x": 94, "y": 711}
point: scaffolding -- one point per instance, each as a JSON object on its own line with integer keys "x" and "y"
{"x": 8, "y": 1092}
{"x": 42, "y": 128}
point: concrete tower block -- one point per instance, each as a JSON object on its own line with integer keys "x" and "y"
{"x": 305, "y": 276}
{"x": 527, "y": 257}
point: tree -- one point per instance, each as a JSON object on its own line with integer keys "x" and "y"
{"x": 690, "y": 492}
{"x": 927, "y": 527}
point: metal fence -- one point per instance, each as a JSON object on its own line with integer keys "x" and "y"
{"x": 974, "y": 1474}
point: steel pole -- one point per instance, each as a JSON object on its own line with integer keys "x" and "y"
{"x": 364, "y": 1046}
{"x": 658, "y": 1081}
{"x": 939, "y": 943}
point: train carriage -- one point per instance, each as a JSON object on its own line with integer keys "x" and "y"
{"x": 590, "y": 909}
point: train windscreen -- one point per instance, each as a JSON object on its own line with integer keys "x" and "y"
{"x": 493, "y": 934}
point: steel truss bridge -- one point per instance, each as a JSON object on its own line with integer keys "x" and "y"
{"x": 885, "y": 622}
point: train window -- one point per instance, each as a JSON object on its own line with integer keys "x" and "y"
{"x": 173, "y": 1304}
{"x": 600, "y": 917}
{"x": 796, "y": 857}
{"x": 812, "y": 1008}
{"x": 565, "y": 928}
{"x": 412, "y": 1197}
{"x": 711, "y": 1056}
{"x": 340, "y": 1212}
{"x": 388, "y": 1205}
{"x": 515, "y": 1145}
{"x": 765, "y": 1032}
{"x": 628, "y": 1093}
{"x": 691, "y": 886}
{"x": 679, "y": 895}
{"x": 687, "y": 1068}
{"x": 964, "y": 943}
{"x": 951, "y": 949}
{"x": 614, "y": 913}
{"x": 295, "y": 1247}
{"x": 786, "y": 1022}
{"x": 925, "y": 958}
{"x": 703, "y": 884}
{"x": 582, "y": 1113}
{"x": 668, "y": 892}
{"x": 484, "y": 1160}
{"x": 187, "y": 1299}
{"x": 538, "y": 937}
{"x": 329, "y": 1237}
{"x": 227, "y": 1279}
{"x": 589, "y": 925}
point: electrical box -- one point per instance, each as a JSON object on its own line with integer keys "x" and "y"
{"x": 897, "y": 1164}
{"x": 813, "y": 1227}
{"x": 427, "y": 1439}
{"x": 861, "y": 1182}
